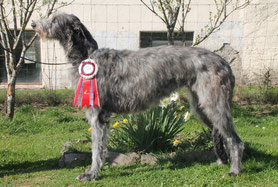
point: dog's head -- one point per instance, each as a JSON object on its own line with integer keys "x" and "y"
{"x": 70, "y": 32}
{"x": 60, "y": 26}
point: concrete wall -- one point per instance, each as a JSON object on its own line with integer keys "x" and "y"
{"x": 260, "y": 41}
{"x": 248, "y": 39}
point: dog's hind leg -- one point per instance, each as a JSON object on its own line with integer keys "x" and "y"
{"x": 235, "y": 146}
{"x": 215, "y": 102}
{"x": 219, "y": 147}
{"x": 217, "y": 139}
{"x": 100, "y": 130}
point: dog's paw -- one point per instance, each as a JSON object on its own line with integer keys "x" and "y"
{"x": 88, "y": 171}
{"x": 89, "y": 175}
{"x": 232, "y": 174}
{"x": 86, "y": 177}
{"x": 218, "y": 162}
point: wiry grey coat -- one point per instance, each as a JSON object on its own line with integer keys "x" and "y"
{"x": 130, "y": 81}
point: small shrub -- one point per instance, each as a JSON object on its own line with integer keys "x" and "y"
{"x": 53, "y": 99}
{"x": 265, "y": 93}
{"x": 150, "y": 131}
{"x": 199, "y": 140}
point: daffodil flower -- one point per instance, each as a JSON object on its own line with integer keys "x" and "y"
{"x": 176, "y": 142}
{"x": 90, "y": 129}
{"x": 174, "y": 97}
{"x": 116, "y": 124}
{"x": 186, "y": 116}
{"x": 165, "y": 102}
{"x": 125, "y": 120}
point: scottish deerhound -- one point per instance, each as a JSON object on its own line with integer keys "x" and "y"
{"x": 130, "y": 81}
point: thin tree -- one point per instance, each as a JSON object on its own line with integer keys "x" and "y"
{"x": 14, "y": 17}
{"x": 172, "y": 12}
{"x": 168, "y": 12}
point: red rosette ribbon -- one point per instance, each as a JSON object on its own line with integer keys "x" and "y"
{"x": 86, "y": 93}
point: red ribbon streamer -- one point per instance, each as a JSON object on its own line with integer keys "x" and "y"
{"x": 86, "y": 93}
{"x": 95, "y": 93}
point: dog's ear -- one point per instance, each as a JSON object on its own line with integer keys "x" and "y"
{"x": 77, "y": 28}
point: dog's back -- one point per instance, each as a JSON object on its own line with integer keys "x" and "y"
{"x": 147, "y": 75}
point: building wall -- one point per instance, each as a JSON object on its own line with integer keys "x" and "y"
{"x": 260, "y": 41}
{"x": 248, "y": 39}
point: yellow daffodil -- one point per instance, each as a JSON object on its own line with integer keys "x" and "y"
{"x": 90, "y": 129}
{"x": 125, "y": 120}
{"x": 176, "y": 143}
{"x": 116, "y": 124}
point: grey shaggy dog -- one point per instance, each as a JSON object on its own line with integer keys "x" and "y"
{"x": 130, "y": 81}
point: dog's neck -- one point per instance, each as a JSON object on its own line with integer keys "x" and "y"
{"x": 78, "y": 50}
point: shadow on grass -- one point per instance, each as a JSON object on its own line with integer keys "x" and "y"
{"x": 123, "y": 171}
{"x": 256, "y": 161}
{"x": 28, "y": 167}
{"x": 191, "y": 158}
{"x": 36, "y": 166}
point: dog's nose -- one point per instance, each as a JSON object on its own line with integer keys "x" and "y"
{"x": 33, "y": 25}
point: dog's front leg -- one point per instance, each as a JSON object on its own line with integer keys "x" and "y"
{"x": 99, "y": 133}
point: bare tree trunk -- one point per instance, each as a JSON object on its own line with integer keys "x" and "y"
{"x": 170, "y": 37}
{"x": 11, "y": 97}
{"x": 11, "y": 38}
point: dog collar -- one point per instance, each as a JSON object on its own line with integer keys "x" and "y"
{"x": 86, "y": 93}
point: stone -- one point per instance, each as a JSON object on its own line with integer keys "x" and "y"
{"x": 119, "y": 159}
{"x": 70, "y": 159}
{"x": 148, "y": 159}
{"x": 233, "y": 58}
{"x": 66, "y": 146}
{"x": 173, "y": 154}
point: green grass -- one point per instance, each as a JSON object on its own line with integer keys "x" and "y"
{"x": 41, "y": 97}
{"x": 31, "y": 144}
{"x": 257, "y": 94}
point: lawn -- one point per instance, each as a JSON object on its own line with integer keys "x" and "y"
{"x": 30, "y": 147}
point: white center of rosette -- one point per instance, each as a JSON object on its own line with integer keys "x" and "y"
{"x": 88, "y": 69}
